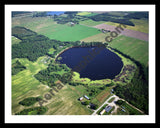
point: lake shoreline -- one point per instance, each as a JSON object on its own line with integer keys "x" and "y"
{"x": 95, "y": 64}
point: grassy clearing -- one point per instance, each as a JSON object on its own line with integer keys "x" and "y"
{"x": 90, "y": 22}
{"x": 51, "y": 51}
{"x": 83, "y": 13}
{"x": 76, "y": 78}
{"x": 15, "y": 40}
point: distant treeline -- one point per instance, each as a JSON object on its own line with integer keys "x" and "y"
{"x": 39, "y": 14}
{"x": 137, "y": 15}
{"x": 16, "y": 13}
{"x": 71, "y": 17}
{"x": 120, "y": 19}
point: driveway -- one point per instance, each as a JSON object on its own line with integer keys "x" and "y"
{"x": 106, "y": 102}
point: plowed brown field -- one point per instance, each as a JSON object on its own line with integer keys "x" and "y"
{"x": 126, "y": 32}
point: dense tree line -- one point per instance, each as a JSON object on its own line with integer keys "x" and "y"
{"x": 29, "y": 101}
{"x": 120, "y": 19}
{"x": 33, "y": 111}
{"x": 64, "y": 20}
{"x": 111, "y": 18}
{"x": 22, "y": 33}
{"x": 40, "y": 14}
{"x": 136, "y": 92}
{"x": 17, "y": 13}
{"x": 137, "y": 15}
{"x": 17, "y": 67}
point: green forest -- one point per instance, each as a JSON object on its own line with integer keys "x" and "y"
{"x": 120, "y": 19}
{"x": 135, "y": 92}
{"x": 33, "y": 111}
{"x": 30, "y": 101}
{"x": 17, "y": 67}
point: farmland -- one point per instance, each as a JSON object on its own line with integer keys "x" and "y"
{"x": 62, "y": 32}
{"x": 37, "y": 52}
{"x": 133, "y": 47}
{"x": 140, "y": 25}
{"x": 25, "y": 85}
{"x": 126, "y": 31}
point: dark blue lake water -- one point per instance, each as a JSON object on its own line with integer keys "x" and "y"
{"x": 55, "y": 12}
{"x": 92, "y": 62}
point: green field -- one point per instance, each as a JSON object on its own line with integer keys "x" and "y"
{"x": 135, "y": 48}
{"x": 98, "y": 37}
{"x": 63, "y": 32}
{"x": 25, "y": 85}
{"x": 67, "y": 33}
{"x": 90, "y": 22}
{"x": 83, "y": 13}
{"x": 15, "y": 40}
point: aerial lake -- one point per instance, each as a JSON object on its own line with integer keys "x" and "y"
{"x": 55, "y": 12}
{"x": 94, "y": 65}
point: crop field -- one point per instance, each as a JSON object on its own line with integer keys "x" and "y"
{"x": 98, "y": 37}
{"x": 65, "y": 102}
{"x": 126, "y": 32}
{"x": 67, "y": 33}
{"x": 24, "y": 85}
{"x": 83, "y": 13}
{"x": 90, "y": 22}
{"x": 135, "y": 48}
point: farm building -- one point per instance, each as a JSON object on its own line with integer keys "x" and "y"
{"x": 86, "y": 97}
{"x": 92, "y": 105}
{"x": 123, "y": 110}
{"x": 108, "y": 108}
{"x": 81, "y": 98}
